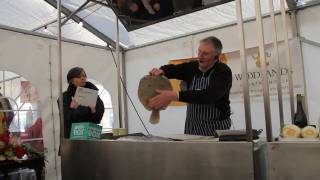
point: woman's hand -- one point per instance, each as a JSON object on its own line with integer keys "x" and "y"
{"x": 74, "y": 104}
{"x": 93, "y": 109}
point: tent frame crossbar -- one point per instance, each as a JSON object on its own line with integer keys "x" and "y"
{"x": 86, "y": 25}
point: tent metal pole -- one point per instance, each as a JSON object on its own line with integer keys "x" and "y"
{"x": 60, "y": 72}
{"x": 50, "y": 37}
{"x": 47, "y": 24}
{"x": 75, "y": 12}
{"x": 245, "y": 83}
{"x": 101, "y": 3}
{"x": 310, "y": 42}
{"x": 62, "y": 17}
{"x": 265, "y": 85}
{"x": 288, "y": 58}
{"x": 118, "y": 71}
{"x": 86, "y": 25}
{"x": 292, "y": 4}
{"x": 276, "y": 58}
{"x": 125, "y": 103}
{"x": 52, "y": 109}
{"x": 4, "y": 83}
{"x": 10, "y": 79}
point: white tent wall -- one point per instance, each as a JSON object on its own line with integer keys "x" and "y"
{"x": 140, "y": 61}
{"x": 309, "y": 23}
{"x": 30, "y": 56}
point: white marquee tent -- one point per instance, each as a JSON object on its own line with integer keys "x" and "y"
{"x": 34, "y": 14}
{"x": 28, "y": 48}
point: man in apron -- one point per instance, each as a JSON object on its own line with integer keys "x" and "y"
{"x": 208, "y": 87}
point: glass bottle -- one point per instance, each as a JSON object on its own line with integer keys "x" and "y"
{"x": 300, "y": 118}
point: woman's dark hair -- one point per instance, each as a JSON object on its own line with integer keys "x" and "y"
{"x": 74, "y": 73}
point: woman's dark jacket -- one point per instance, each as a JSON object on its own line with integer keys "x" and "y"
{"x": 82, "y": 113}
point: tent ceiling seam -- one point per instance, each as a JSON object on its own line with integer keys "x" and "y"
{"x": 86, "y": 25}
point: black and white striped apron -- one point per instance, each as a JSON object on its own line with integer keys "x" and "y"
{"x": 204, "y": 119}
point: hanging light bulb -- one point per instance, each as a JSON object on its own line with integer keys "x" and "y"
{"x": 80, "y": 23}
{"x": 45, "y": 29}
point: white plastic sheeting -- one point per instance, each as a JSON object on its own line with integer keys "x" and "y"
{"x": 103, "y": 19}
{"x": 33, "y": 13}
{"x": 25, "y": 14}
{"x": 36, "y": 59}
{"x": 197, "y": 21}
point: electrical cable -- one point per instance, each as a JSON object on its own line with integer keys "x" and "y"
{"x": 126, "y": 91}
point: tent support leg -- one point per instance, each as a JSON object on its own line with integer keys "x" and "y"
{"x": 288, "y": 58}
{"x": 245, "y": 83}
{"x": 276, "y": 58}
{"x": 265, "y": 85}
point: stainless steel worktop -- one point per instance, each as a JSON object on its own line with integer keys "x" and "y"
{"x": 172, "y": 160}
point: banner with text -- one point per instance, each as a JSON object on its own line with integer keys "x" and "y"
{"x": 254, "y": 70}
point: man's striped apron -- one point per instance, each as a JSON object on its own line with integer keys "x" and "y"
{"x": 204, "y": 119}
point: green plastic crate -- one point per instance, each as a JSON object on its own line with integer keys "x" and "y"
{"x": 85, "y": 130}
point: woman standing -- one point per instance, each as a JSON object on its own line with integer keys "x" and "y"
{"x": 73, "y": 112}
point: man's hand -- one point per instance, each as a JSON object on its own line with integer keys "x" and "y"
{"x": 163, "y": 99}
{"x": 156, "y": 72}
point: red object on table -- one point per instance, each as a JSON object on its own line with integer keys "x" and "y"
{"x": 32, "y": 135}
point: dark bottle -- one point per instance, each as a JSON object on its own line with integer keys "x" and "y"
{"x": 300, "y": 118}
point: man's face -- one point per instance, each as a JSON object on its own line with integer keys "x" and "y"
{"x": 206, "y": 55}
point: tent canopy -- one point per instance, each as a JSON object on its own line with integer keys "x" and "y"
{"x": 99, "y": 20}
